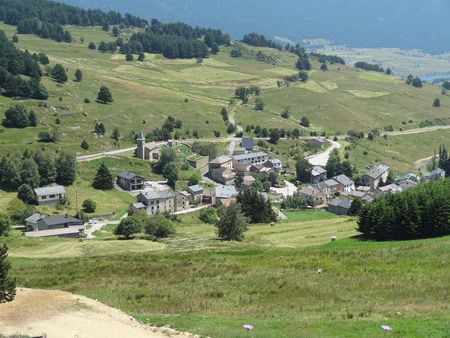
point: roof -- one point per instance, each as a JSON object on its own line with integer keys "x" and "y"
{"x": 226, "y": 191}
{"x": 363, "y": 188}
{"x": 56, "y": 190}
{"x": 185, "y": 193}
{"x": 377, "y": 171}
{"x": 407, "y": 176}
{"x": 60, "y": 219}
{"x": 321, "y": 186}
{"x": 247, "y": 142}
{"x": 139, "y": 205}
{"x": 249, "y": 156}
{"x": 154, "y": 195}
{"x": 345, "y": 203}
{"x": 127, "y": 175}
{"x": 331, "y": 182}
{"x": 355, "y": 194}
{"x": 318, "y": 170}
{"x": 249, "y": 179}
{"x": 406, "y": 184}
{"x": 55, "y": 232}
{"x": 196, "y": 188}
{"x": 221, "y": 159}
{"x": 275, "y": 161}
{"x": 34, "y": 218}
{"x": 391, "y": 187}
{"x": 309, "y": 191}
{"x": 343, "y": 179}
{"x": 438, "y": 172}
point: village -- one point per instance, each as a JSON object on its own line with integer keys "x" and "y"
{"x": 224, "y": 177}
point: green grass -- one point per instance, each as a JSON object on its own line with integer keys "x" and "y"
{"x": 309, "y": 215}
{"x": 399, "y": 152}
{"x": 214, "y": 292}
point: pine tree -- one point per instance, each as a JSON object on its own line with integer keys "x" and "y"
{"x": 5, "y": 224}
{"x": 78, "y": 75}
{"x": 84, "y": 145}
{"x": 255, "y": 206}
{"x": 103, "y": 179}
{"x": 65, "y": 169}
{"x": 104, "y": 95}
{"x": 7, "y": 284}
{"x": 29, "y": 173}
{"x": 59, "y": 73}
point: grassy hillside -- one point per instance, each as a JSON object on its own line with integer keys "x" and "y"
{"x": 145, "y": 93}
{"x": 194, "y": 282}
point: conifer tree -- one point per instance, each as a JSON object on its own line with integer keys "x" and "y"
{"x": 103, "y": 179}
{"x": 7, "y": 284}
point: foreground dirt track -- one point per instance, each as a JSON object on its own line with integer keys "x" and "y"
{"x": 64, "y": 315}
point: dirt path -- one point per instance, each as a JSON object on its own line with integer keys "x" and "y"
{"x": 64, "y": 315}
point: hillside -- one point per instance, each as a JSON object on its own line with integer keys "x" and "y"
{"x": 351, "y": 22}
{"x": 195, "y": 93}
{"x": 195, "y": 283}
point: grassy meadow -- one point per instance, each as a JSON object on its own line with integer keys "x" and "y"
{"x": 402, "y": 153}
{"x": 145, "y": 93}
{"x": 196, "y": 283}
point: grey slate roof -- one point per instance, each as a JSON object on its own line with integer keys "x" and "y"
{"x": 344, "y": 180}
{"x": 56, "y": 190}
{"x": 345, "y": 203}
{"x": 331, "y": 182}
{"x": 249, "y": 156}
{"x": 221, "y": 159}
{"x": 60, "y": 219}
{"x": 139, "y": 205}
{"x": 318, "y": 170}
{"x": 127, "y": 175}
{"x": 196, "y": 188}
{"x": 34, "y": 218}
{"x": 154, "y": 195}
{"x": 377, "y": 171}
{"x": 226, "y": 192}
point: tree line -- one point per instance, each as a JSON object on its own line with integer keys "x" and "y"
{"x": 258, "y": 40}
{"x": 46, "y": 18}
{"x": 13, "y": 64}
{"x": 444, "y": 160}
{"x": 175, "y": 40}
{"x": 37, "y": 169}
{"x": 332, "y": 59}
{"x": 369, "y": 67}
{"x": 420, "y": 212}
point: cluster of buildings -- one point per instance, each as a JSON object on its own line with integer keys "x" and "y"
{"x": 244, "y": 159}
{"x": 338, "y": 192}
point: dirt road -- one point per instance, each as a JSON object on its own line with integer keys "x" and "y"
{"x": 64, "y": 315}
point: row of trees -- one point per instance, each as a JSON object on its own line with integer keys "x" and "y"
{"x": 369, "y": 67}
{"x": 414, "y": 81}
{"x": 258, "y": 40}
{"x": 332, "y": 59}
{"x": 36, "y": 169}
{"x": 420, "y": 212}
{"x": 14, "y": 63}
{"x": 45, "y": 30}
{"x": 243, "y": 93}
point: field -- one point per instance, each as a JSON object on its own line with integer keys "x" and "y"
{"x": 403, "y": 153}
{"x": 198, "y": 284}
{"x": 145, "y": 93}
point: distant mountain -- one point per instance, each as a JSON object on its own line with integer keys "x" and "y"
{"x": 407, "y": 24}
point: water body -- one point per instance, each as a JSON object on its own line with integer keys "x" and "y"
{"x": 436, "y": 77}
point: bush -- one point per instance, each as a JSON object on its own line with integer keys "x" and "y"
{"x": 159, "y": 226}
{"x": 232, "y": 223}
{"x": 89, "y": 206}
{"x": 5, "y": 223}
{"x": 208, "y": 216}
{"x": 26, "y": 194}
{"x": 130, "y": 225}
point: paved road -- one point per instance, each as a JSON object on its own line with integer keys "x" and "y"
{"x": 322, "y": 158}
{"x": 289, "y": 190}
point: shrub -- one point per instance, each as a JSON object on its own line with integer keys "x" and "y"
{"x": 89, "y": 206}
{"x": 159, "y": 226}
{"x": 208, "y": 216}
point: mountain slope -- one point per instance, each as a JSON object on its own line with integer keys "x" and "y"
{"x": 407, "y": 24}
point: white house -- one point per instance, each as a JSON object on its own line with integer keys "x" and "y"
{"x": 49, "y": 195}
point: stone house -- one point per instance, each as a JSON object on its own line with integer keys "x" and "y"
{"x": 376, "y": 176}
{"x": 312, "y": 195}
{"x": 129, "y": 181}
{"x": 196, "y": 192}
{"x": 339, "y": 207}
{"x": 318, "y": 174}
